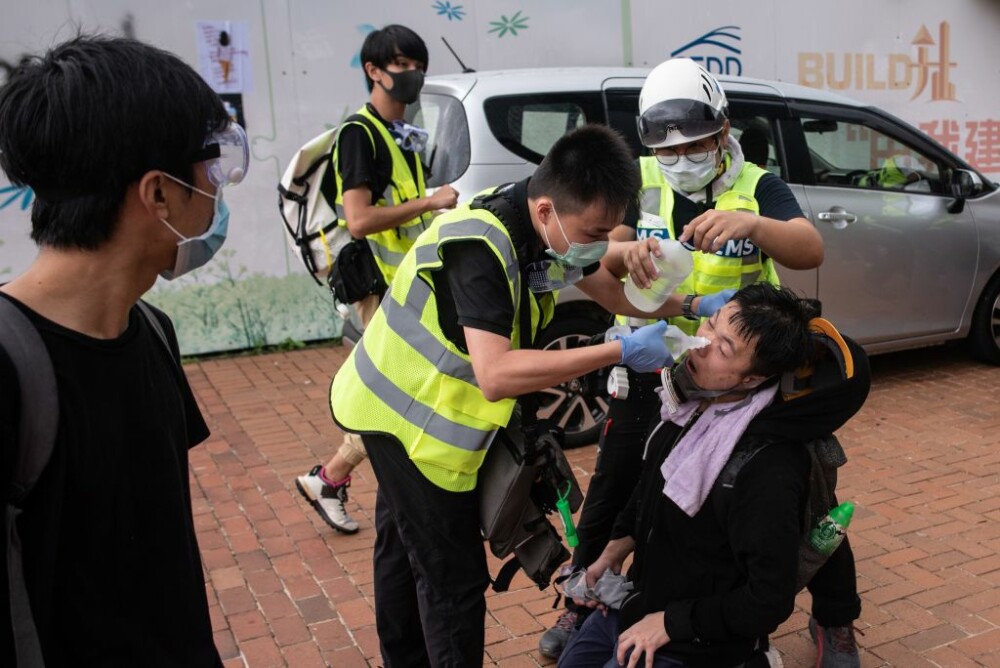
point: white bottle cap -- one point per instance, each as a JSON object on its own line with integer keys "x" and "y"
{"x": 618, "y": 383}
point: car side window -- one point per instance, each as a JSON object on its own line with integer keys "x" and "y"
{"x": 853, "y": 155}
{"x": 623, "y": 109}
{"x": 756, "y": 138}
{"x": 528, "y": 125}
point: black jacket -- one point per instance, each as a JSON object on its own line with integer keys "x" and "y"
{"x": 726, "y": 576}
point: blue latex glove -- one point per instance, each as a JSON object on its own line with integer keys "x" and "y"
{"x": 709, "y": 304}
{"x": 645, "y": 349}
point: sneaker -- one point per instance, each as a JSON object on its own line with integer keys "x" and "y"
{"x": 553, "y": 641}
{"x": 327, "y": 500}
{"x": 350, "y": 335}
{"x": 835, "y": 646}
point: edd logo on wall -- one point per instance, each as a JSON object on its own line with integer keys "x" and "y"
{"x": 717, "y": 51}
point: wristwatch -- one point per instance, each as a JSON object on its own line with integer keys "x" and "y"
{"x": 686, "y": 308}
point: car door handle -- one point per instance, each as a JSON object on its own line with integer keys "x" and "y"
{"x": 837, "y": 216}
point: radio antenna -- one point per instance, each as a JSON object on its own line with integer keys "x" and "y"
{"x": 465, "y": 69}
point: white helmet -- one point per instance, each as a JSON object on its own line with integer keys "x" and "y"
{"x": 680, "y": 102}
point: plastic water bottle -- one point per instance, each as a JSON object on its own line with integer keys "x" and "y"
{"x": 674, "y": 265}
{"x": 828, "y": 534}
{"x": 679, "y": 342}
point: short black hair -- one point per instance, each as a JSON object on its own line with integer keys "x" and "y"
{"x": 776, "y": 320}
{"x": 590, "y": 164}
{"x": 82, "y": 122}
{"x": 382, "y": 46}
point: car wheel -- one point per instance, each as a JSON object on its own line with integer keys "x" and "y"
{"x": 579, "y": 405}
{"x": 984, "y": 338}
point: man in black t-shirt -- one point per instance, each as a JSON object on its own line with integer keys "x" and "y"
{"x": 127, "y": 150}
{"x": 438, "y": 373}
{"x": 381, "y": 188}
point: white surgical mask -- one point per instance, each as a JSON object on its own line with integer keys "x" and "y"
{"x": 577, "y": 254}
{"x": 194, "y": 252}
{"x": 689, "y": 176}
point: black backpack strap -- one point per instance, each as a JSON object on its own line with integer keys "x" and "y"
{"x": 500, "y": 204}
{"x": 161, "y": 334}
{"x": 722, "y": 496}
{"x": 379, "y": 152}
{"x": 743, "y": 453}
{"x": 501, "y": 582}
{"x": 154, "y": 322}
{"x": 37, "y": 425}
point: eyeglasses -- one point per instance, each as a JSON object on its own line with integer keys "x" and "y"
{"x": 696, "y": 153}
{"x": 227, "y": 156}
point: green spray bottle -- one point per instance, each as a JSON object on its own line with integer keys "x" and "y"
{"x": 828, "y": 534}
{"x": 562, "y": 504}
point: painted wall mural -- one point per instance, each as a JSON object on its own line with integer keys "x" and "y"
{"x": 291, "y": 69}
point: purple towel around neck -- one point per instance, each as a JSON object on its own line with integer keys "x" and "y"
{"x": 691, "y": 468}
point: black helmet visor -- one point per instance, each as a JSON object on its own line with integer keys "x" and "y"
{"x": 689, "y": 118}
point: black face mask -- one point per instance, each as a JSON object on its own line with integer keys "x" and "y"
{"x": 406, "y": 85}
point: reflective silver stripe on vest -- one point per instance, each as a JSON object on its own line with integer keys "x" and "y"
{"x": 650, "y": 200}
{"x": 405, "y": 322}
{"x": 387, "y": 256}
{"x": 414, "y": 412}
{"x": 472, "y": 227}
{"x": 387, "y": 196}
{"x": 751, "y": 277}
{"x": 413, "y": 231}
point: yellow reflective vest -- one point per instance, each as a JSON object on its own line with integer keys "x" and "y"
{"x": 389, "y": 246}
{"x": 736, "y": 265}
{"x": 407, "y": 380}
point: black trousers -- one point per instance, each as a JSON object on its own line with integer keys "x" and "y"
{"x": 430, "y": 571}
{"x": 835, "y": 600}
{"x": 619, "y": 463}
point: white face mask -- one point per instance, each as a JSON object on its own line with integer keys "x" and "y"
{"x": 577, "y": 254}
{"x": 689, "y": 176}
{"x": 194, "y": 252}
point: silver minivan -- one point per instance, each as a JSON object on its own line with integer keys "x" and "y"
{"x": 911, "y": 231}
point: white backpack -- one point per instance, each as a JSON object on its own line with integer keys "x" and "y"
{"x": 306, "y": 197}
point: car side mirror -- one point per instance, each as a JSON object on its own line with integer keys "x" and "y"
{"x": 964, "y": 184}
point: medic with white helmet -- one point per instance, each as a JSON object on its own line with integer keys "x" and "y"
{"x": 737, "y": 219}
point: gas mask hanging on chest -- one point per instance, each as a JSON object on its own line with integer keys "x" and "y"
{"x": 550, "y": 275}
{"x": 679, "y": 387}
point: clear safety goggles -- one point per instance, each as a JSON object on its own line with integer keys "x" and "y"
{"x": 227, "y": 156}
{"x": 686, "y": 120}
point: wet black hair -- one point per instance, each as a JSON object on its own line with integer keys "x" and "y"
{"x": 90, "y": 117}
{"x": 381, "y": 47}
{"x": 590, "y": 164}
{"x": 776, "y": 320}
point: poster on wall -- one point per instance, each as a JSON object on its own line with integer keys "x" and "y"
{"x": 234, "y": 107}
{"x": 223, "y": 55}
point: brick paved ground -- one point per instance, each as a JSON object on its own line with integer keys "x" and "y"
{"x": 286, "y": 590}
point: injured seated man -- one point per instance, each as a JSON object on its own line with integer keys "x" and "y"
{"x": 730, "y": 467}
